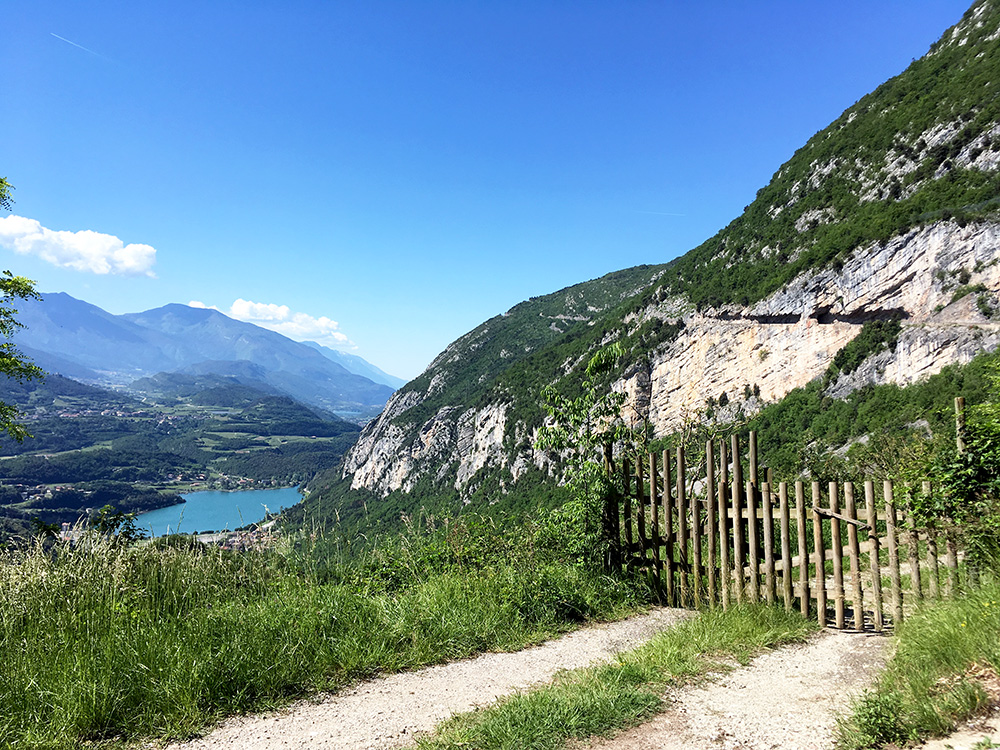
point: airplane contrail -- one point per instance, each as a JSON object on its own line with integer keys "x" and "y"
{"x": 80, "y": 46}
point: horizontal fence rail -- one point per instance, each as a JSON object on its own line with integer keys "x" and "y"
{"x": 835, "y": 552}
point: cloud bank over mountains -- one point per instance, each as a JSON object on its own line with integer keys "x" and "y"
{"x": 103, "y": 254}
{"x": 85, "y": 250}
{"x": 281, "y": 319}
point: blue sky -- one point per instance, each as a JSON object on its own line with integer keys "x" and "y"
{"x": 384, "y": 176}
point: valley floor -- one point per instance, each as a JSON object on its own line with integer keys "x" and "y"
{"x": 787, "y": 698}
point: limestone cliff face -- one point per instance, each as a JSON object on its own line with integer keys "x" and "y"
{"x": 790, "y": 338}
{"x": 767, "y": 349}
{"x": 391, "y": 457}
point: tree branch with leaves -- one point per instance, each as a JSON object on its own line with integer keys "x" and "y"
{"x": 13, "y": 363}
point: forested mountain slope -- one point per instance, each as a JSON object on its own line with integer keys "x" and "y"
{"x": 885, "y": 223}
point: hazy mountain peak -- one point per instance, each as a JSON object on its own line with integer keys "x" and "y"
{"x": 79, "y": 338}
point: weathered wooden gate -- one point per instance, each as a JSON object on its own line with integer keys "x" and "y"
{"x": 735, "y": 540}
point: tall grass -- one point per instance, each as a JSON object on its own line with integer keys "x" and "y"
{"x": 930, "y": 683}
{"x": 114, "y": 641}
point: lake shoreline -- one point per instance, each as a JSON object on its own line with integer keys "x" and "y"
{"x": 217, "y": 511}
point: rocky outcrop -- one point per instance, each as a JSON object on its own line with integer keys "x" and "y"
{"x": 715, "y": 356}
{"x": 914, "y": 273}
{"x": 389, "y": 457}
{"x": 922, "y": 350}
{"x": 791, "y": 337}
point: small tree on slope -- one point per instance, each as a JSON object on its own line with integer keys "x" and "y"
{"x": 579, "y": 429}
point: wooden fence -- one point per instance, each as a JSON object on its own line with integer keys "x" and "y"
{"x": 834, "y": 550}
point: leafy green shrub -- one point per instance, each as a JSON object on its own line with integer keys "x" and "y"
{"x": 875, "y": 721}
{"x": 875, "y": 336}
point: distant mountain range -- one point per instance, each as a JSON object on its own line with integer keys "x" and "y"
{"x": 79, "y": 340}
{"x": 357, "y": 365}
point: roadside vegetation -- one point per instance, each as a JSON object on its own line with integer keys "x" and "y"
{"x": 946, "y": 665}
{"x": 945, "y": 669}
{"x": 108, "y": 641}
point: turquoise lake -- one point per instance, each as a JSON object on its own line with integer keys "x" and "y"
{"x": 216, "y": 511}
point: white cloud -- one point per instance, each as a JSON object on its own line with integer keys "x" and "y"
{"x": 85, "y": 250}
{"x": 202, "y": 305}
{"x": 280, "y": 318}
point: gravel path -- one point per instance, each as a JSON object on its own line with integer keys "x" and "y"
{"x": 386, "y": 712}
{"x": 970, "y": 734}
{"x": 785, "y": 699}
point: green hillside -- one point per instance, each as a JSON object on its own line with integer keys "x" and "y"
{"x": 905, "y": 155}
{"x": 922, "y": 148}
{"x": 554, "y": 328}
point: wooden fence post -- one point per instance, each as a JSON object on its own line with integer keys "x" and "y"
{"x": 640, "y": 511}
{"x": 694, "y": 507}
{"x": 753, "y": 542}
{"x": 755, "y": 481}
{"x": 837, "y": 543}
{"x": 739, "y": 523}
{"x": 682, "y": 528}
{"x": 873, "y": 549}
{"x": 725, "y": 574}
{"x": 951, "y": 562}
{"x": 669, "y": 534}
{"x": 713, "y": 589}
{"x": 786, "y": 546}
{"x": 739, "y": 579}
{"x": 627, "y": 506}
{"x": 820, "y": 558}
{"x": 803, "y": 544}
{"x": 854, "y": 550}
{"x": 972, "y": 576}
{"x": 654, "y": 507}
{"x": 770, "y": 590}
{"x": 913, "y": 547}
{"x": 893, "y": 544}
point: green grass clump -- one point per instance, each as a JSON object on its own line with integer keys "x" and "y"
{"x": 598, "y": 700}
{"x": 106, "y": 641}
{"x": 929, "y": 685}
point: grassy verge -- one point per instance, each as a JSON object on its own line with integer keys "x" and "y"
{"x": 115, "y": 642}
{"x": 600, "y": 699}
{"x": 934, "y": 678}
